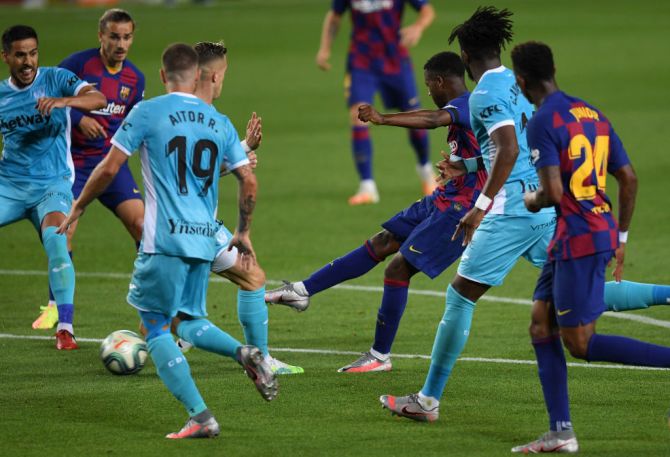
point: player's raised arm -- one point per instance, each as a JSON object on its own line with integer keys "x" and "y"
{"x": 87, "y": 99}
{"x": 331, "y": 25}
{"x": 410, "y": 35}
{"x": 419, "y": 119}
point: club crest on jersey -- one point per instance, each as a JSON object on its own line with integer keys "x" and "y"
{"x": 124, "y": 93}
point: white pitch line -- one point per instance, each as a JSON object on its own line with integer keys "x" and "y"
{"x": 353, "y": 353}
{"x": 431, "y": 293}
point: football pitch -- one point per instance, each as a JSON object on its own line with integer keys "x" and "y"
{"x": 611, "y": 53}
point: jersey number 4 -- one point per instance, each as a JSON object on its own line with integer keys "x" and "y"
{"x": 595, "y": 160}
{"x": 178, "y": 143}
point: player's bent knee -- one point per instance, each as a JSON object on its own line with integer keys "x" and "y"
{"x": 398, "y": 269}
{"x": 384, "y": 244}
{"x": 577, "y": 346}
{"x": 156, "y": 324}
{"x": 254, "y": 280}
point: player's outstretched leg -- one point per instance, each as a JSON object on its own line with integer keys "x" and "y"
{"x": 452, "y": 334}
{"x": 174, "y": 371}
{"x": 627, "y": 295}
{"x": 352, "y": 265}
{"x": 61, "y": 278}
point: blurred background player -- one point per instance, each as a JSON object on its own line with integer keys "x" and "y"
{"x": 185, "y": 143}
{"x": 235, "y": 259}
{"x": 122, "y": 83}
{"x": 498, "y": 230}
{"x": 35, "y": 170}
{"x": 574, "y": 148}
{"x": 419, "y": 237}
{"x": 378, "y": 61}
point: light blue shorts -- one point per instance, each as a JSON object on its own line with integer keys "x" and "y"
{"x": 166, "y": 284}
{"x": 33, "y": 201}
{"x": 501, "y": 240}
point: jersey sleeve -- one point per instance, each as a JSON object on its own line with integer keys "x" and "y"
{"x": 543, "y": 149}
{"x": 234, "y": 155}
{"x": 74, "y": 65}
{"x": 491, "y": 110}
{"x": 130, "y": 135}
{"x": 339, "y": 6}
{"x": 67, "y": 82}
{"x": 618, "y": 156}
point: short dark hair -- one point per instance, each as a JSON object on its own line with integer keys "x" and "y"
{"x": 209, "y": 50}
{"x": 485, "y": 34}
{"x": 177, "y": 59}
{"x": 17, "y": 33}
{"x": 114, "y": 15}
{"x": 534, "y": 62}
{"x": 445, "y": 64}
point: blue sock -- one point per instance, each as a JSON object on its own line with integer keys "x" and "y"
{"x": 61, "y": 273}
{"x": 352, "y": 265}
{"x": 390, "y": 312}
{"x": 553, "y": 374}
{"x": 204, "y": 335}
{"x": 452, "y": 334}
{"x": 362, "y": 151}
{"x": 419, "y": 141}
{"x": 627, "y": 295}
{"x": 619, "y": 349}
{"x": 171, "y": 364}
{"x": 51, "y": 294}
{"x": 253, "y": 315}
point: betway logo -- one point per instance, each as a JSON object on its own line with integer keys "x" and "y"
{"x": 111, "y": 109}
{"x": 371, "y": 6}
{"x": 23, "y": 120}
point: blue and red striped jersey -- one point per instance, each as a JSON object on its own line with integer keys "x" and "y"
{"x": 462, "y": 142}
{"x": 123, "y": 89}
{"x": 375, "y": 35}
{"x": 575, "y": 136}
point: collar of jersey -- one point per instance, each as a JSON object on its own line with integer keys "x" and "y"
{"x": 499, "y": 69}
{"x": 184, "y": 94}
{"x": 18, "y": 89}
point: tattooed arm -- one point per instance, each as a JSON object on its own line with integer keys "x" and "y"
{"x": 247, "y": 186}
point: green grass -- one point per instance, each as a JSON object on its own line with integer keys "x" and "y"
{"x": 611, "y": 53}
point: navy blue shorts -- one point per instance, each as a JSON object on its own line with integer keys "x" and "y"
{"x": 397, "y": 91}
{"x": 576, "y": 287}
{"x": 122, "y": 188}
{"x": 425, "y": 233}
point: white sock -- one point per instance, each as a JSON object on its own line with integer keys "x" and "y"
{"x": 67, "y": 327}
{"x": 379, "y": 355}
{"x": 368, "y": 185}
{"x": 51, "y": 303}
{"x": 299, "y": 287}
{"x": 428, "y": 402}
{"x": 425, "y": 171}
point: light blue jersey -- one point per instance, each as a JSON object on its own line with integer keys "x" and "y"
{"x": 37, "y": 147}
{"x": 182, "y": 142}
{"x": 497, "y": 101}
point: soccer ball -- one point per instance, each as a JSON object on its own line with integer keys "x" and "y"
{"x": 123, "y": 352}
